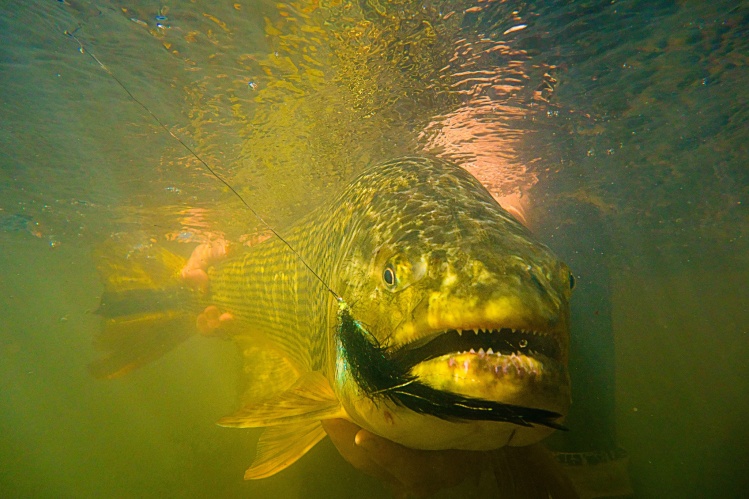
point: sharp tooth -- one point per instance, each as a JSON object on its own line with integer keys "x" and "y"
{"x": 460, "y": 332}
{"x": 481, "y": 352}
{"x": 489, "y": 351}
{"x": 476, "y": 331}
{"x": 472, "y": 350}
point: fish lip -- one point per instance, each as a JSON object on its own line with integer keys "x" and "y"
{"x": 501, "y": 340}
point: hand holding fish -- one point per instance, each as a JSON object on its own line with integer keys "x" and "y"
{"x": 408, "y": 472}
{"x": 195, "y": 274}
{"x": 519, "y": 472}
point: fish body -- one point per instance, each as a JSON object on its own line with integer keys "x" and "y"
{"x": 439, "y": 277}
{"x": 432, "y": 318}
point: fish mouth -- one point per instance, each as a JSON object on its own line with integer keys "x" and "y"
{"x": 521, "y": 372}
{"x": 422, "y": 375}
{"x": 482, "y": 342}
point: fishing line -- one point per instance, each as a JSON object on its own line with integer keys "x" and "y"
{"x": 83, "y": 50}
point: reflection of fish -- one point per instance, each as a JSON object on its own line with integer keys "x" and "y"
{"x": 455, "y": 334}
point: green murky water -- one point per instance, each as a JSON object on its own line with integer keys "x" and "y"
{"x": 617, "y": 129}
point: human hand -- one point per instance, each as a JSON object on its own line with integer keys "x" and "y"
{"x": 408, "y": 472}
{"x": 203, "y": 256}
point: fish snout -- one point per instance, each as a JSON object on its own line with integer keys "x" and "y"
{"x": 512, "y": 294}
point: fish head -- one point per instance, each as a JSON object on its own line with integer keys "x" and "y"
{"x": 456, "y": 331}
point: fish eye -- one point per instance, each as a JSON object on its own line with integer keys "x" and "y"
{"x": 572, "y": 281}
{"x": 388, "y": 275}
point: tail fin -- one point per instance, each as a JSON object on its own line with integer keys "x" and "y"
{"x": 145, "y": 307}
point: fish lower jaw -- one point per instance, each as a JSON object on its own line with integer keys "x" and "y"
{"x": 516, "y": 378}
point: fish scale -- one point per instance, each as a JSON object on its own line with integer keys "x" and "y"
{"x": 270, "y": 292}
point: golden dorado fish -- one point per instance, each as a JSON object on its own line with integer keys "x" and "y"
{"x": 433, "y": 319}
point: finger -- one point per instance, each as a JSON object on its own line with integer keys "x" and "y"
{"x": 402, "y": 461}
{"x": 211, "y": 312}
{"x": 343, "y": 435}
{"x": 197, "y": 278}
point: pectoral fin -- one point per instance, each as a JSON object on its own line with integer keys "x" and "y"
{"x": 309, "y": 399}
{"x": 293, "y": 424}
{"x": 281, "y": 446}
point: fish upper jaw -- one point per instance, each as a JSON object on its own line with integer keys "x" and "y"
{"x": 475, "y": 318}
